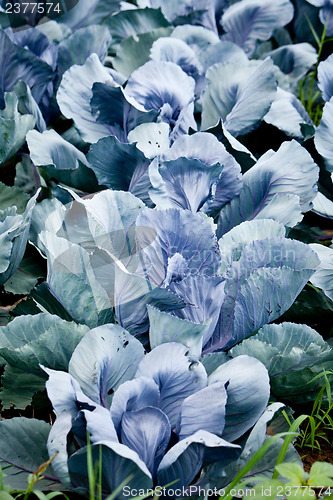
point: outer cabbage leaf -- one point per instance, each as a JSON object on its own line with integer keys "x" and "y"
{"x": 89, "y": 12}
{"x": 20, "y": 64}
{"x": 323, "y": 277}
{"x": 240, "y": 95}
{"x": 61, "y": 160}
{"x": 13, "y": 127}
{"x": 325, "y": 74}
{"x": 120, "y": 166}
{"x": 11, "y": 195}
{"x": 280, "y": 186}
{"x": 222, "y": 52}
{"x": 37, "y": 43}
{"x": 323, "y": 206}
{"x": 197, "y": 37}
{"x": 173, "y": 9}
{"x": 132, "y": 22}
{"x": 246, "y": 379}
{"x": 249, "y": 21}
{"x": 27, "y": 104}
{"x": 177, "y": 51}
{"x": 164, "y": 87}
{"x": 72, "y": 281}
{"x": 288, "y": 114}
{"x": 91, "y": 363}
{"x": 120, "y": 465}
{"x": 184, "y": 460}
{"x": 294, "y": 61}
{"x": 75, "y": 93}
{"x": 324, "y": 133}
{"x": 23, "y": 450}
{"x": 134, "y": 51}
{"x": 14, "y": 232}
{"x": 260, "y": 287}
{"x": 80, "y": 45}
{"x": 27, "y": 342}
{"x": 288, "y": 351}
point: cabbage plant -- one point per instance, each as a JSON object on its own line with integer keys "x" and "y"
{"x": 158, "y": 416}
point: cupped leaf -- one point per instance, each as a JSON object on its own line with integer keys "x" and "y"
{"x": 120, "y": 465}
{"x": 195, "y": 173}
{"x": 13, "y": 127}
{"x": 247, "y": 386}
{"x": 323, "y": 134}
{"x": 75, "y": 93}
{"x": 57, "y": 446}
{"x": 288, "y": 114}
{"x": 288, "y": 176}
{"x": 176, "y": 374}
{"x": 177, "y": 51}
{"x": 323, "y": 276}
{"x": 146, "y": 431}
{"x": 193, "y": 412}
{"x": 164, "y": 87}
{"x": 239, "y": 94}
{"x": 184, "y": 460}
{"x": 206, "y": 148}
{"x": 106, "y": 357}
{"x": 177, "y": 231}
{"x": 249, "y": 21}
{"x": 120, "y": 166}
{"x": 289, "y": 351}
{"x": 197, "y": 37}
{"x": 61, "y": 159}
{"x": 23, "y": 450}
{"x": 134, "y": 395}
{"x": 17, "y": 63}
